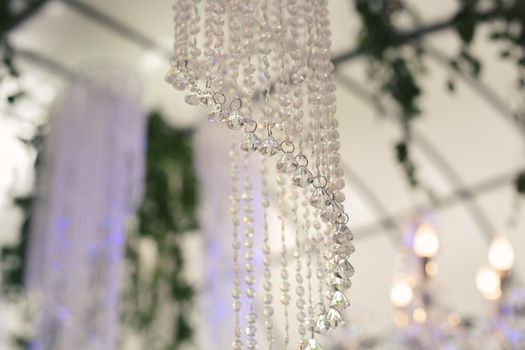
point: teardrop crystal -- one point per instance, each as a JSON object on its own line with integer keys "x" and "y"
{"x": 344, "y": 269}
{"x": 343, "y": 250}
{"x": 339, "y": 301}
{"x": 332, "y": 213}
{"x": 343, "y": 235}
{"x": 192, "y": 96}
{"x": 250, "y": 142}
{"x": 206, "y": 98}
{"x": 333, "y": 317}
{"x": 287, "y": 164}
{"x": 177, "y": 78}
{"x": 303, "y": 177}
{"x": 340, "y": 283}
{"x": 320, "y": 199}
{"x": 321, "y": 326}
{"x": 235, "y": 120}
{"x": 311, "y": 344}
{"x": 269, "y": 146}
{"x": 217, "y": 115}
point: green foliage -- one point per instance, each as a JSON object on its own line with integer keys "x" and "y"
{"x": 396, "y": 58}
{"x": 167, "y": 213}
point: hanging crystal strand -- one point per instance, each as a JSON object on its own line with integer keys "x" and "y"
{"x": 285, "y": 285}
{"x": 267, "y": 252}
{"x": 235, "y": 39}
{"x": 236, "y": 245}
{"x": 249, "y": 34}
{"x": 193, "y": 96}
{"x": 299, "y": 289}
{"x": 251, "y": 317}
{"x": 177, "y": 75}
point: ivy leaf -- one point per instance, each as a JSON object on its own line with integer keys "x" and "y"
{"x": 520, "y": 183}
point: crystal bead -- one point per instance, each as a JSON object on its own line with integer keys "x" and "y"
{"x": 321, "y": 326}
{"x": 178, "y": 79}
{"x": 250, "y": 142}
{"x": 343, "y": 235}
{"x": 217, "y": 115}
{"x": 343, "y": 250}
{"x": 302, "y": 177}
{"x": 339, "y": 301}
{"x": 269, "y": 146}
{"x": 333, "y": 317}
{"x": 320, "y": 199}
{"x": 340, "y": 283}
{"x": 235, "y": 120}
{"x": 206, "y": 98}
{"x": 287, "y": 164}
{"x": 345, "y": 269}
{"x": 311, "y": 344}
{"x": 192, "y": 96}
{"x": 332, "y": 213}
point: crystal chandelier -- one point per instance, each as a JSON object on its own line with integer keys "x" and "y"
{"x": 262, "y": 68}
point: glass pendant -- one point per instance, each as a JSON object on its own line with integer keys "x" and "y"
{"x": 269, "y": 146}
{"x": 287, "y": 164}
{"x": 250, "y": 142}
{"x": 311, "y": 344}
{"x": 332, "y": 213}
{"x": 339, "y": 301}
{"x": 345, "y": 269}
{"x": 235, "y": 120}
{"x": 303, "y": 177}
{"x": 343, "y": 235}
{"x": 217, "y": 115}
{"x": 340, "y": 283}
{"x": 320, "y": 198}
{"x": 343, "y": 250}
{"x": 177, "y": 78}
{"x": 333, "y": 317}
{"x": 321, "y": 326}
{"x": 192, "y": 96}
{"x": 206, "y": 98}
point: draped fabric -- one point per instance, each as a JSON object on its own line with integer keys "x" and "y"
{"x": 89, "y": 184}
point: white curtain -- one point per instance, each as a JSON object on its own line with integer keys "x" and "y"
{"x": 90, "y": 183}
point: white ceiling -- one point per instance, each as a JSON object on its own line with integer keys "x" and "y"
{"x": 479, "y": 146}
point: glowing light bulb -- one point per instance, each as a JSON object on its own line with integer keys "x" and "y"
{"x": 489, "y": 283}
{"x": 426, "y": 241}
{"x": 419, "y": 315}
{"x": 501, "y": 254}
{"x": 401, "y": 294}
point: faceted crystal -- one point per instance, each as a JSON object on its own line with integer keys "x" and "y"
{"x": 178, "y": 79}
{"x": 217, "y": 115}
{"x": 287, "y": 164}
{"x": 206, "y": 98}
{"x": 339, "y": 301}
{"x": 192, "y": 96}
{"x": 321, "y": 326}
{"x": 333, "y": 317}
{"x": 343, "y": 235}
{"x": 302, "y": 177}
{"x": 343, "y": 250}
{"x": 235, "y": 120}
{"x": 250, "y": 142}
{"x": 344, "y": 269}
{"x": 311, "y": 344}
{"x": 340, "y": 283}
{"x": 332, "y": 213}
{"x": 320, "y": 199}
{"x": 269, "y": 146}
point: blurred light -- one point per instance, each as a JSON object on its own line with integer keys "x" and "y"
{"x": 420, "y": 315}
{"x": 401, "y": 318}
{"x": 488, "y": 283}
{"x": 401, "y": 294}
{"x": 431, "y": 268}
{"x": 426, "y": 242}
{"x": 454, "y": 319}
{"x": 501, "y": 254}
{"x": 151, "y": 60}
